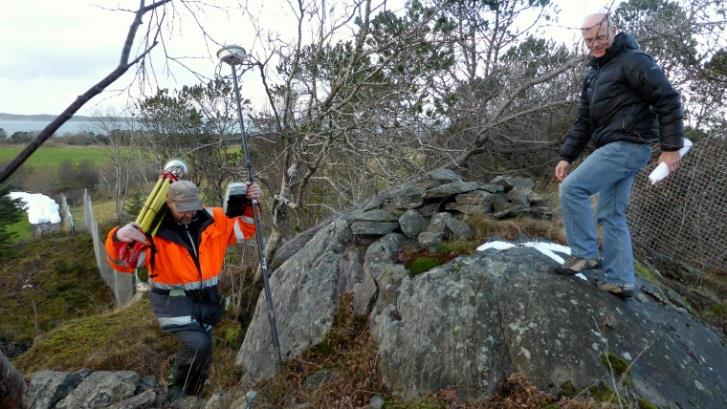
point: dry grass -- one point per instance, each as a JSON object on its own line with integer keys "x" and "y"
{"x": 103, "y": 210}
{"x": 512, "y": 229}
{"x": 341, "y": 372}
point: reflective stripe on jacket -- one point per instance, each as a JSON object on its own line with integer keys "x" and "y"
{"x": 178, "y": 310}
{"x": 172, "y": 264}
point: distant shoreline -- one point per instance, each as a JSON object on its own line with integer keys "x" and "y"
{"x": 46, "y": 117}
{"x": 33, "y": 124}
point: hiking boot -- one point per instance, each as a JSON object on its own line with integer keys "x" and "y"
{"x": 178, "y": 380}
{"x": 574, "y": 265}
{"x": 624, "y": 290}
{"x": 175, "y": 393}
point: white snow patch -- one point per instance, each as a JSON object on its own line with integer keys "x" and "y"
{"x": 40, "y": 208}
{"x": 546, "y": 248}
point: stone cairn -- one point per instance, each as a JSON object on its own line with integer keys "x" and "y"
{"x": 433, "y": 207}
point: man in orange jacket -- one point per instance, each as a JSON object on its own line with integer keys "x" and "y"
{"x": 184, "y": 260}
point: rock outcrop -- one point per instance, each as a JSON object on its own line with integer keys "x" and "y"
{"x": 466, "y": 323}
{"x": 334, "y": 257}
{"x": 84, "y": 389}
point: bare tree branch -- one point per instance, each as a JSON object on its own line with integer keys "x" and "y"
{"x": 123, "y": 66}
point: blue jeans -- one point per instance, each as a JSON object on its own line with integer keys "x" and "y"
{"x": 610, "y": 172}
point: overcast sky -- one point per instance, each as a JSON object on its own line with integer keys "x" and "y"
{"x": 52, "y": 51}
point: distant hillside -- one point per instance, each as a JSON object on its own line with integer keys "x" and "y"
{"x": 45, "y": 117}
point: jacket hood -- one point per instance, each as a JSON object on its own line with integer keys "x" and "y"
{"x": 621, "y": 43}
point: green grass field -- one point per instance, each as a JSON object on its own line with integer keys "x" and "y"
{"x": 48, "y": 157}
{"x": 104, "y": 211}
{"x": 21, "y": 229}
{"x": 53, "y": 156}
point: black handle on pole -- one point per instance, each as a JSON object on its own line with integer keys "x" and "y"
{"x": 260, "y": 244}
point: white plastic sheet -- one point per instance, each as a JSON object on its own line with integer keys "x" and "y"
{"x": 40, "y": 208}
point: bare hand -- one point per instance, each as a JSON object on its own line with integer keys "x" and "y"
{"x": 671, "y": 159}
{"x": 253, "y": 192}
{"x": 131, "y": 232}
{"x": 561, "y": 170}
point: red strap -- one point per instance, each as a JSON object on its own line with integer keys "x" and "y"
{"x": 130, "y": 254}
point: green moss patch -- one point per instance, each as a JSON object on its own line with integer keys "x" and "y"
{"x": 645, "y": 404}
{"x": 646, "y": 273}
{"x": 127, "y": 339}
{"x": 422, "y": 264}
{"x": 418, "y": 261}
{"x": 568, "y": 390}
{"x": 615, "y": 363}
{"x": 602, "y": 393}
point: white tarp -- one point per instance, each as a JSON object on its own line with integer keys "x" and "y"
{"x": 40, "y": 208}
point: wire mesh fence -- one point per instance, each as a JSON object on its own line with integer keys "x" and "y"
{"x": 684, "y": 217}
{"x": 121, "y": 284}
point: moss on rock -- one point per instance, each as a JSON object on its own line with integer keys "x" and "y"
{"x": 602, "y": 393}
{"x": 615, "y": 363}
{"x": 645, "y": 404}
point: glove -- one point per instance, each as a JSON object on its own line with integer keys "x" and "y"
{"x": 253, "y": 192}
{"x": 131, "y": 232}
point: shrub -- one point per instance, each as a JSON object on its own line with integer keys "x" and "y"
{"x": 10, "y": 213}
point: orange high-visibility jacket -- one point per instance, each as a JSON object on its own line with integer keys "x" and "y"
{"x": 172, "y": 265}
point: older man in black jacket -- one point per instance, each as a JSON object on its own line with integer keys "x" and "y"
{"x": 626, "y": 105}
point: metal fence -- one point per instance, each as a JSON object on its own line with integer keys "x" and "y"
{"x": 121, "y": 284}
{"x": 684, "y": 217}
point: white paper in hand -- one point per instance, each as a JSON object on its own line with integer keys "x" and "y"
{"x": 662, "y": 171}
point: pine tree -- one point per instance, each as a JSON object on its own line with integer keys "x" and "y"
{"x": 10, "y": 212}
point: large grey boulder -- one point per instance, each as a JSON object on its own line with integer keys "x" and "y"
{"x": 292, "y": 246}
{"x": 305, "y": 292}
{"x": 466, "y": 323}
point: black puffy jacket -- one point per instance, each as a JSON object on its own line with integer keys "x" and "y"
{"x": 623, "y": 95}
